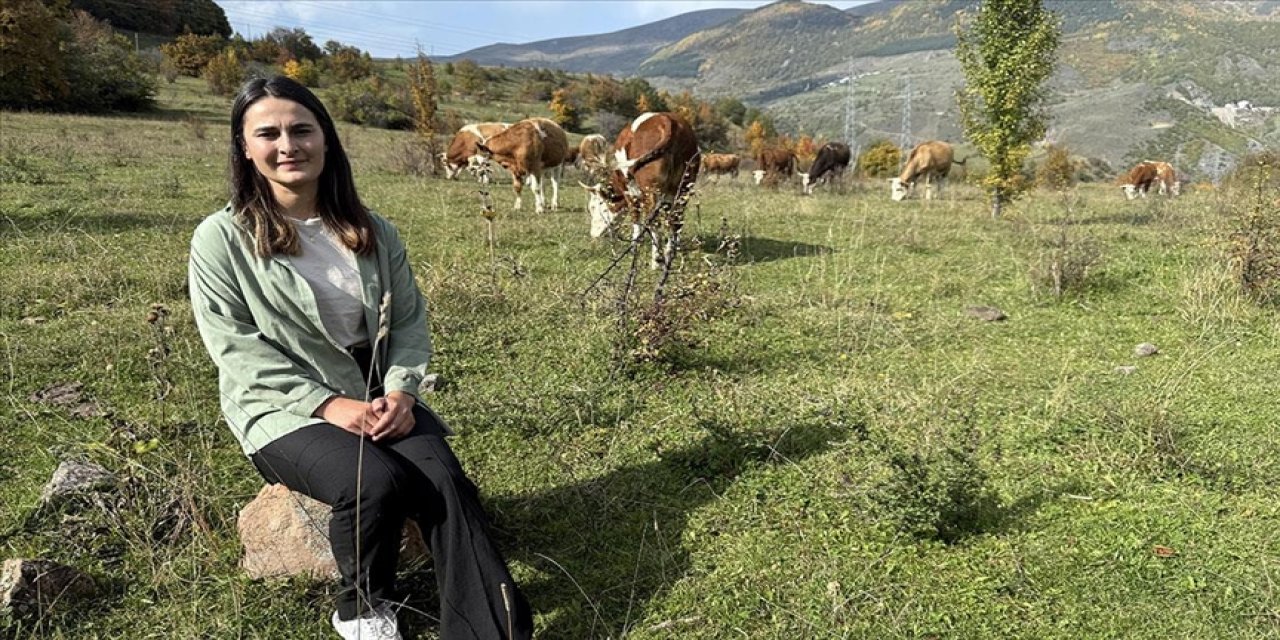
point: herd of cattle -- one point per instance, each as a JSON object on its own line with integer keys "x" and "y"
{"x": 657, "y": 157}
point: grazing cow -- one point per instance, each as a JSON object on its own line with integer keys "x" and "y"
{"x": 715, "y": 164}
{"x": 656, "y": 161}
{"x": 1167, "y": 179}
{"x": 528, "y": 149}
{"x": 593, "y": 153}
{"x": 1139, "y": 180}
{"x": 777, "y": 164}
{"x": 930, "y": 160}
{"x": 462, "y": 152}
{"x": 832, "y": 160}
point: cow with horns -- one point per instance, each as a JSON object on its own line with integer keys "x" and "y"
{"x": 656, "y": 163}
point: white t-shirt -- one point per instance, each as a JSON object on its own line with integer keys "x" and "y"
{"x": 330, "y": 268}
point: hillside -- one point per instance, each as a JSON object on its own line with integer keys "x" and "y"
{"x": 618, "y": 53}
{"x": 1137, "y": 78}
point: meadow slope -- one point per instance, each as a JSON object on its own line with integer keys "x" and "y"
{"x": 760, "y": 484}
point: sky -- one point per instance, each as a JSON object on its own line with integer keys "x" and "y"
{"x": 390, "y": 28}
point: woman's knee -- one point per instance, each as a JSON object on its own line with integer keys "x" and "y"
{"x": 381, "y": 480}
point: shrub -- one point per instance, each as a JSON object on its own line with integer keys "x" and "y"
{"x": 372, "y": 102}
{"x": 1067, "y": 264}
{"x": 880, "y": 160}
{"x": 943, "y": 496}
{"x": 1254, "y": 251}
{"x": 1057, "y": 171}
{"x": 305, "y": 72}
{"x": 347, "y": 63}
{"x": 224, "y": 73}
{"x": 190, "y": 53}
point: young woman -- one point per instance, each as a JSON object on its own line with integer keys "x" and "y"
{"x": 306, "y": 303}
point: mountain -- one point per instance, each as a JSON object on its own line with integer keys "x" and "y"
{"x": 1196, "y": 82}
{"x": 618, "y": 53}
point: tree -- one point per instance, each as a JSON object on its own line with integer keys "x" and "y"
{"x": 756, "y": 136}
{"x": 224, "y": 73}
{"x": 1057, "y": 172}
{"x": 347, "y": 63}
{"x": 31, "y": 57}
{"x": 564, "y": 110}
{"x": 189, "y": 53}
{"x": 422, "y": 92}
{"x": 1007, "y": 54}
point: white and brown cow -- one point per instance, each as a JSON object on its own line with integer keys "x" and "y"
{"x": 593, "y": 154}
{"x": 831, "y": 161}
{"x": 931, "y": 161}
{"x": 717, "y": 164}
{"x": 529, "y": 149}
{"x": 1148, "y": 173}
{"x": 655, "y": 162}
{"x": 774, "y": 165}
{"x": 462, "y": 152}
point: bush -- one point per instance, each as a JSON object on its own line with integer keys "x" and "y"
{"x": 944, "y": 496}
{"x": 880, "y": 160}
{"x": 68, "y": 63}
{"x": 190, "y": 53}
{"x": 1254, "y": 251}
{"x": 225, "y": 72}
{"x": 372, "y": 102}
{"x": 305, "y": 72}
{"x": 1057, "y": 171}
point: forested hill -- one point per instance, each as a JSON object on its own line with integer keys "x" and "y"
{"x": 159, "y": 17}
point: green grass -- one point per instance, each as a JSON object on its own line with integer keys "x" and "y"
{"x": 739, "y": 488}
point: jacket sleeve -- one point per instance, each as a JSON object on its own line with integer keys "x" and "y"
{"x": 227, "y": 327}
{"x": 408, "y": 341}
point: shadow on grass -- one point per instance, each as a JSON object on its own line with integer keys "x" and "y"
{"x": 607, "y": 546}
{"x": 756, "y": 249}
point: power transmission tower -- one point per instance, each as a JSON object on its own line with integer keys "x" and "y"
{"x": 906, "y": 124}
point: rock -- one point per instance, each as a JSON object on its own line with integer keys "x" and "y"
{"x": 429, "y": 383}
{"x": 1125, "y": 370}
{"x": 72, "y": 478}
{"x": 1145, "y": 349}
{"x": 36, "y": 586}
{"x": 33, "y": 320}
{"x": 63, "y": 393}
{"x": 287, "y": 534}
{"x": 986, "y": 314}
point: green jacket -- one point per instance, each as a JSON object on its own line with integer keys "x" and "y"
{"x": 276, "y": 363}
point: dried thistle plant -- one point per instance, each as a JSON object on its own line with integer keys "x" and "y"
{"x": 158, "y": 354}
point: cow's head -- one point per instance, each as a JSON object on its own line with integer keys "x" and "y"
{"x": 451, "y": 170}
{"x": 758, "y": 175}
{"x": 898, "y": 189}
{"x": 1130, "y": 191}
{"x": 804, "y": 182}
{"x": 603, "y": 204}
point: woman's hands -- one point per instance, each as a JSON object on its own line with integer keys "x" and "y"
{"x": 390, "y": 416}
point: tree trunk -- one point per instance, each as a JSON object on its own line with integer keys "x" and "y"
{"x": 997, "y": 203}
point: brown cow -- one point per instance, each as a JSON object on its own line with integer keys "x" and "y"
{"x": 930, "y": 160}
{"x": 776, "y": 164}
{"x": 462, "y": 152}
{"x": 593, "y": 153}
{"x": 1137, "y": 181}
{"x": 528, "y": 149}
{"x": 716, "y": 164}
{"x": 656, "y": 162}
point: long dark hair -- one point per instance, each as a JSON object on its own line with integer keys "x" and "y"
{"x": 254, "y": 203}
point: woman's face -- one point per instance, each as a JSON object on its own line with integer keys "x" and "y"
{"x": 286, "y": 144}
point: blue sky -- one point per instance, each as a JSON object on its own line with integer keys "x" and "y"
{"x": 387, "y": 28}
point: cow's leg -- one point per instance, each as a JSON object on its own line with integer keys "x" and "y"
{"x": 539, "y": 200}
{"x": 556, "y": 175}
{"x": 517, "y": 183}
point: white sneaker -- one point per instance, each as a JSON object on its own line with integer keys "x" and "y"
{"x": 379, "y": 624}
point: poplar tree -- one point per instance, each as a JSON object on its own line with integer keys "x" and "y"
{"x": 1007, "y": 53}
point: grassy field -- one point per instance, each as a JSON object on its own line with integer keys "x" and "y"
{"x": 843, "y": 453}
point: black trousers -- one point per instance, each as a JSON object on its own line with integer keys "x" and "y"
{"x": 416, "y": 476}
